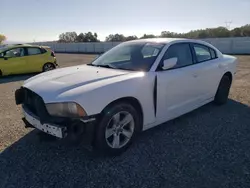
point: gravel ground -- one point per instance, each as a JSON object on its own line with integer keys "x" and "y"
{"x": 208, "y": 147}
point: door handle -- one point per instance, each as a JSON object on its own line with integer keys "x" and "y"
{"x": 220, "y": 66}
{"x": 195, "y": 75}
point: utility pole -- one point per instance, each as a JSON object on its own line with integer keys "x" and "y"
{"x": 228, "y": 24}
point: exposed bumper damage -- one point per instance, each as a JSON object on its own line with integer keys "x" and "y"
{"x": 36, "y": 116}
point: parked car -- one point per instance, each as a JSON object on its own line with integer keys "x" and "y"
{"x": 24, "y": 58}
{"x": 134, "y": 86}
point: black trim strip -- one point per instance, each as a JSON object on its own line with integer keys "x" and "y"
{"x": 155, "y": 95}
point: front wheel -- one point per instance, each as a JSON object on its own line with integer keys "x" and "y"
{"x": 222, "y": 93}
{"x": 117, "y": 129}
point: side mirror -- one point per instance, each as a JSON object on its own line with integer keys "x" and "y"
{"x": 169, "y": 63}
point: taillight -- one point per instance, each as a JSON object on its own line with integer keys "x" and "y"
{"x": 53, "y": 54}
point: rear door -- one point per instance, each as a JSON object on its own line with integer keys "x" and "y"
{"x": 208, "y": 70}
{"x": 35, "y": 59}
{"x": 13, "y": 61}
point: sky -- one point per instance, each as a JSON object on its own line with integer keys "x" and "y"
{"x": 44, "y": 20}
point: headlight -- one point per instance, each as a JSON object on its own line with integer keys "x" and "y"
{"x": 67, "y": 109}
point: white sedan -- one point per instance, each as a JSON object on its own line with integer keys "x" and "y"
{"x": 134, "y": 86}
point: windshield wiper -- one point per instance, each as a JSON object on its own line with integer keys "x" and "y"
{"x": 111, "y": 67}
{"x": 105, "y": 66}
{"x": 90, "y": 64}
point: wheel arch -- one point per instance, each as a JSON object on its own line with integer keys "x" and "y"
{"x": 229, "y": 75}
{"x": 48, "y": 63}
{"x": 130, "y": 100}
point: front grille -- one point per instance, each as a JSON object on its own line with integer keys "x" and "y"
{"x": 29, "y": 101}
{"x": 34, "y": 103}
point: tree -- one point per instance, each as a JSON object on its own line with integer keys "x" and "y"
{"x": 236, "y": 32}
{"x": 90, "y": 37}
{"x": 218, "y": 32}
{"x": 87, "y": 37}
{"x": 133, "y": 37}
{"x": 80, "y": 38}
{"x": 115, "y": 38}
{"x": 146, "y": 36}
{"x": 245, "y": 30}
{"x": 2, "y": 38}
{"x": 68, "y": 37}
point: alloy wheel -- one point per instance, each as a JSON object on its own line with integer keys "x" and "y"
{"x": 120, "y": 130}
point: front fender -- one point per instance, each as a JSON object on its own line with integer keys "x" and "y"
{"x": 141, "y": 88}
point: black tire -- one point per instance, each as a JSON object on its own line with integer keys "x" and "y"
{"x": 101, "y": 143}
{"x": 1, "y": 73}
{"x": 48, "y": 67}
{"x": 222, "y": 93}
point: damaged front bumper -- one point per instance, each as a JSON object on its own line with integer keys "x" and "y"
{"x": 73, "y": 129}
{"x": 36, "y": 116}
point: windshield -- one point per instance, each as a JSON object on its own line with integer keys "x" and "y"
{"x": 130, "y": 56}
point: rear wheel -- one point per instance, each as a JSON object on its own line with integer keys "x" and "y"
{"x": 48, "y": 67}
{"x": 1, "y": 73}
{"x": 117, "y": 129}
{"x": 222, "y": 93}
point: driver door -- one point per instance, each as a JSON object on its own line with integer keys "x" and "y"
{"x": 177, "y": 91}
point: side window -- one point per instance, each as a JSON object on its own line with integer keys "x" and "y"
{"x": 202, "y": 53}
{"x": 34, "y": 51}
{"x": 213, "y": 53}
{"x": 16, "y": 52}
{"x": 183, "y": 53}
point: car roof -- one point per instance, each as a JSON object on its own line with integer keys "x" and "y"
{"x": 167, "y": 40}
{"x": 157, "y": 40}
{"x": 11, "y": 46}
{"x": 20, "y": 45}
{"x": 170, "y": 40}
{"x": 24, "y": 45}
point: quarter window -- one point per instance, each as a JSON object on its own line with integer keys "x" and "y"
{"x": 34, "y": 51}
{"x": 213, "y": 53}
{"x": 203, "y": 53}
{"x": 43, "y": 50}
{"x": 182, "y": 52}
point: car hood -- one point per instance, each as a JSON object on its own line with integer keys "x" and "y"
{"x": 61, "y": 80}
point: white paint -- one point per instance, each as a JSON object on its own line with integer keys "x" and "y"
{"x": 178, "y": 90}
